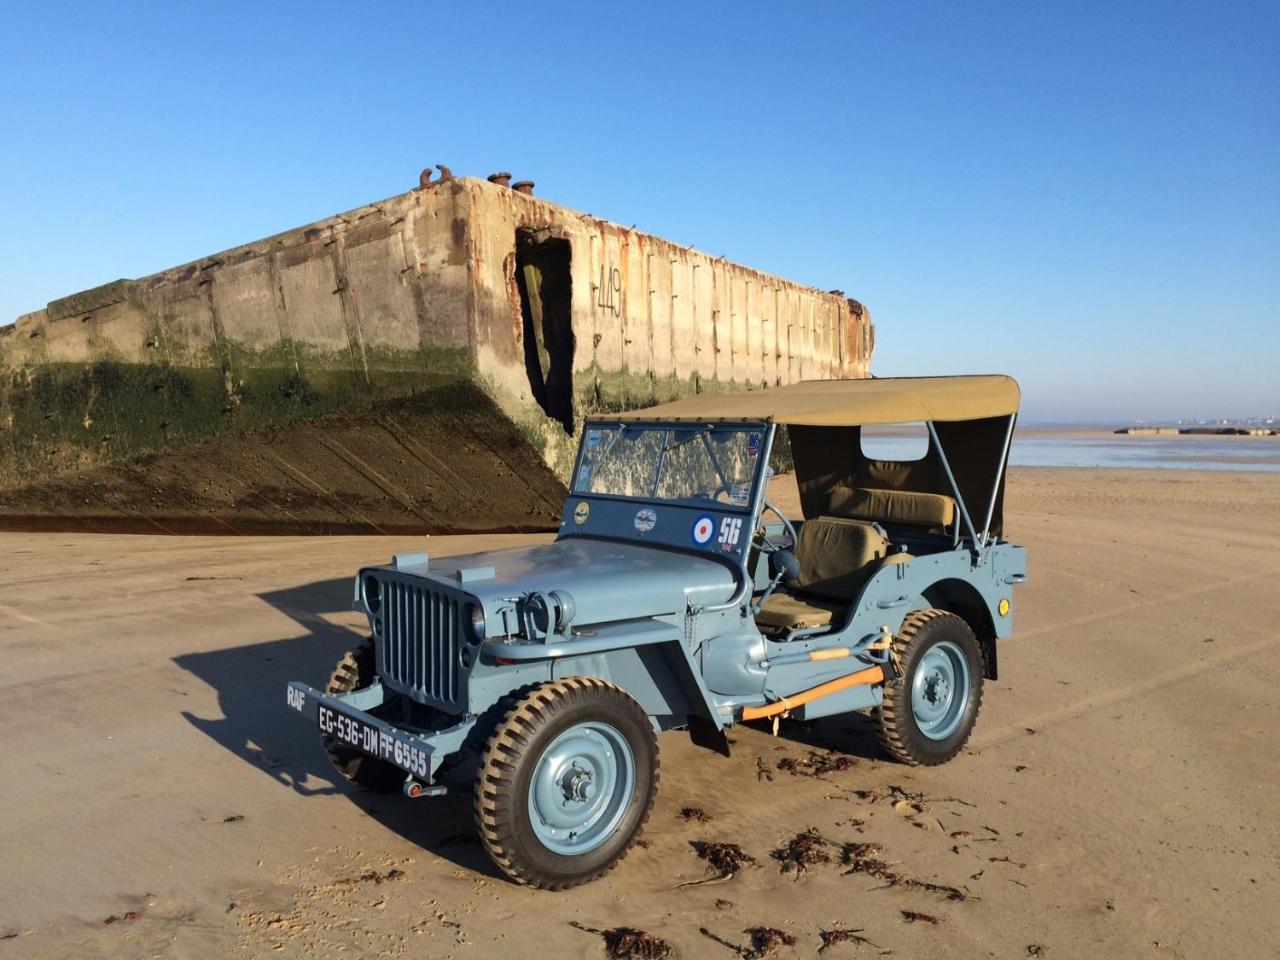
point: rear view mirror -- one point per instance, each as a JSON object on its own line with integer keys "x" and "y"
{"x": 783, "y": 563}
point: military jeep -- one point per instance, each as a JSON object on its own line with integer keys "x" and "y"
{"x": 677, "y": 596}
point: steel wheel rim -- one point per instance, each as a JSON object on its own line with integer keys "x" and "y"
{"x": 940, "y": 690}
{"x": 581, "y": 788}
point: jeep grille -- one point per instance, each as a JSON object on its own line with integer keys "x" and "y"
{"x": 420, "y": 641}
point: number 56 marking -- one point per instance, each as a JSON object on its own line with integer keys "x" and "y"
{"x": 730, "y": 531}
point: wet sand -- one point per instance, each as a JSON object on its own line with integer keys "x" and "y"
{"x": 1119, "y": 797}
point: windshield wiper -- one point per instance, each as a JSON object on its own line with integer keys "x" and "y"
{"x": 715, "y": 462}
{"x": 699, "y": 432}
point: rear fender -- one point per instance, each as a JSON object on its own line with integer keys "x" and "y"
{"x": 967, "y": 602}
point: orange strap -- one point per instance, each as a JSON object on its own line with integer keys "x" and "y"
{"x": 862, "y": 677}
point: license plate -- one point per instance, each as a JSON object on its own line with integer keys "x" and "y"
{"x": 365, "y": 737}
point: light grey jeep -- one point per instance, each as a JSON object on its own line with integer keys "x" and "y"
{"x": 677, "y": 597}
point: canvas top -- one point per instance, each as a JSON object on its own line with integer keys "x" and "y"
{"x": 839, "y": 403}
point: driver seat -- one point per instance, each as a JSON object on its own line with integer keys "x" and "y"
{"x": 836, "y": 556}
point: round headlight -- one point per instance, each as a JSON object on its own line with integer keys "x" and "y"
{"x": 372, "y": 595}
{"x": 566, "y": 609}
{"x": 476, "y": 613}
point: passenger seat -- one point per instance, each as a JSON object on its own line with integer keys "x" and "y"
{"x": 837, "y": 556}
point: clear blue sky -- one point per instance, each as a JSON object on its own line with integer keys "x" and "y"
{"x": 1086, "y": 195}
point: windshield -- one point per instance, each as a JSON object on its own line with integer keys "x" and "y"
{"x": 690, "y": 464}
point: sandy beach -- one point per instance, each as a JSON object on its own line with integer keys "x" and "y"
{"x": 1119, "y": 797}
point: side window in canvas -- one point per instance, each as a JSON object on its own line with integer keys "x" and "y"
{"x": 899, "y": 441}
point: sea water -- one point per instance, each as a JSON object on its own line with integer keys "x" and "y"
{"x": 1040, "y": 447}
{"x": 1164, "y": 453}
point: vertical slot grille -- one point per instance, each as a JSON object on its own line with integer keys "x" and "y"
{"x": 420, "y": 641}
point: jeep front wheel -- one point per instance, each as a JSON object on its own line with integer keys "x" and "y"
{"x": 566, "y": 783}
{"x": 355, "y": 671}
{"x": 928, "y": 713}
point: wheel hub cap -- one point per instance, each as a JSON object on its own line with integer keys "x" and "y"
{"x": 581, "y": 788}
{"x": 577, "y": 784}
{"x": 940, "y": 690}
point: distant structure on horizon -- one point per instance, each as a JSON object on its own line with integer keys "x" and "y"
{"x": 1240, "y": 430}
{"x": 417, "y": 364}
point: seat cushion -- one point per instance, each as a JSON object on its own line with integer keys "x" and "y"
{"x": 783, "y": 613}
{"x": 836, "y": 557}
{"x": 893, "y": 506}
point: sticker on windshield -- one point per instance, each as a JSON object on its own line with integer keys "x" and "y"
{"x": 753, "y": 444}
{"x": 703, "y": 529}
{"x": 581, "y": 512}
{"x": 740, "y": 494}
{"x": 730, "y": 533}
{"x": 646, "y": 520}
{"x": 593, "y": 440}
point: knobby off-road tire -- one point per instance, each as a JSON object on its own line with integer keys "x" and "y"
{"x": 928, "y": 713}
{"x": 354, "y": 671}
{"x": 566, "y": 782}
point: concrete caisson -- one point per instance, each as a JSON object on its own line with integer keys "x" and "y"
{"x": 417, "y": 364}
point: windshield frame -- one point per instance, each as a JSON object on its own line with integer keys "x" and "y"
{"x": 758, "y": 476}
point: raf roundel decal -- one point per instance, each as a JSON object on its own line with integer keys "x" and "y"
{"x": 646, "y": 520}
{"x": 703, "y": 529}
{"x": 581, "y": 512}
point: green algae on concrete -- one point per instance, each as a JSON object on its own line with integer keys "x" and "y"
{"x": 67, "y": 416}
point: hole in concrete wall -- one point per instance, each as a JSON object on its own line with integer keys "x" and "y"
{"x": 546, "y": 287}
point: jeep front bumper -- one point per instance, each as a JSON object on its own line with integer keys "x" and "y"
{"x": 344, "y": 718}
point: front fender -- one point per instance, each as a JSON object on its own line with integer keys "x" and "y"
{"x": 586, "y": 640}
{"x": 647, "y": 658}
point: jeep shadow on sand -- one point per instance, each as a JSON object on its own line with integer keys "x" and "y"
{"x": 678, "y": 597}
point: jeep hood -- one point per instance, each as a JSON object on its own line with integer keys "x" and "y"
{"x": 608, "y": 580}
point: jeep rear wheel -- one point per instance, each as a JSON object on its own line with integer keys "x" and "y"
{"x": 354, "y": 672}
{"x": 928, "y": 713}
{"x": 566, "y": 783}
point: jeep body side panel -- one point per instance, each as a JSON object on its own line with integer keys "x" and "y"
{"x": 898, "y": 589}
{"x": 974, "y": 581}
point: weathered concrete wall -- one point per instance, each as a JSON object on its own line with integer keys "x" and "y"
{"x": 651, "y": 319}
{"x": 434, "y": 305}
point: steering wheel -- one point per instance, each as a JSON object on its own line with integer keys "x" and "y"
{"x": 714, "y": 495}
{"x": 767, "y": 545}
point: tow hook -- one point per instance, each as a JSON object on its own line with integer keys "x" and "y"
{"x": 413, "y": 789}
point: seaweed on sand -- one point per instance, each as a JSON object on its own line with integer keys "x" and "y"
{"x": 815, "y": 764}
{"x": 915, "y": 916}
{"x": 803, "y": 851}
{"x": 628, "y": 943}
{"x": 842, "y": 935}
{"x": 864, "y": 858}
{"x": 764, "y": 941}
{"x": 726, "y": 859}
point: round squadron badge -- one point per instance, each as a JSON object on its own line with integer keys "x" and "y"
{"x": 646, "y": 520}
{"x": 581, "y": 512}
{"x": 703, "y": 529}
